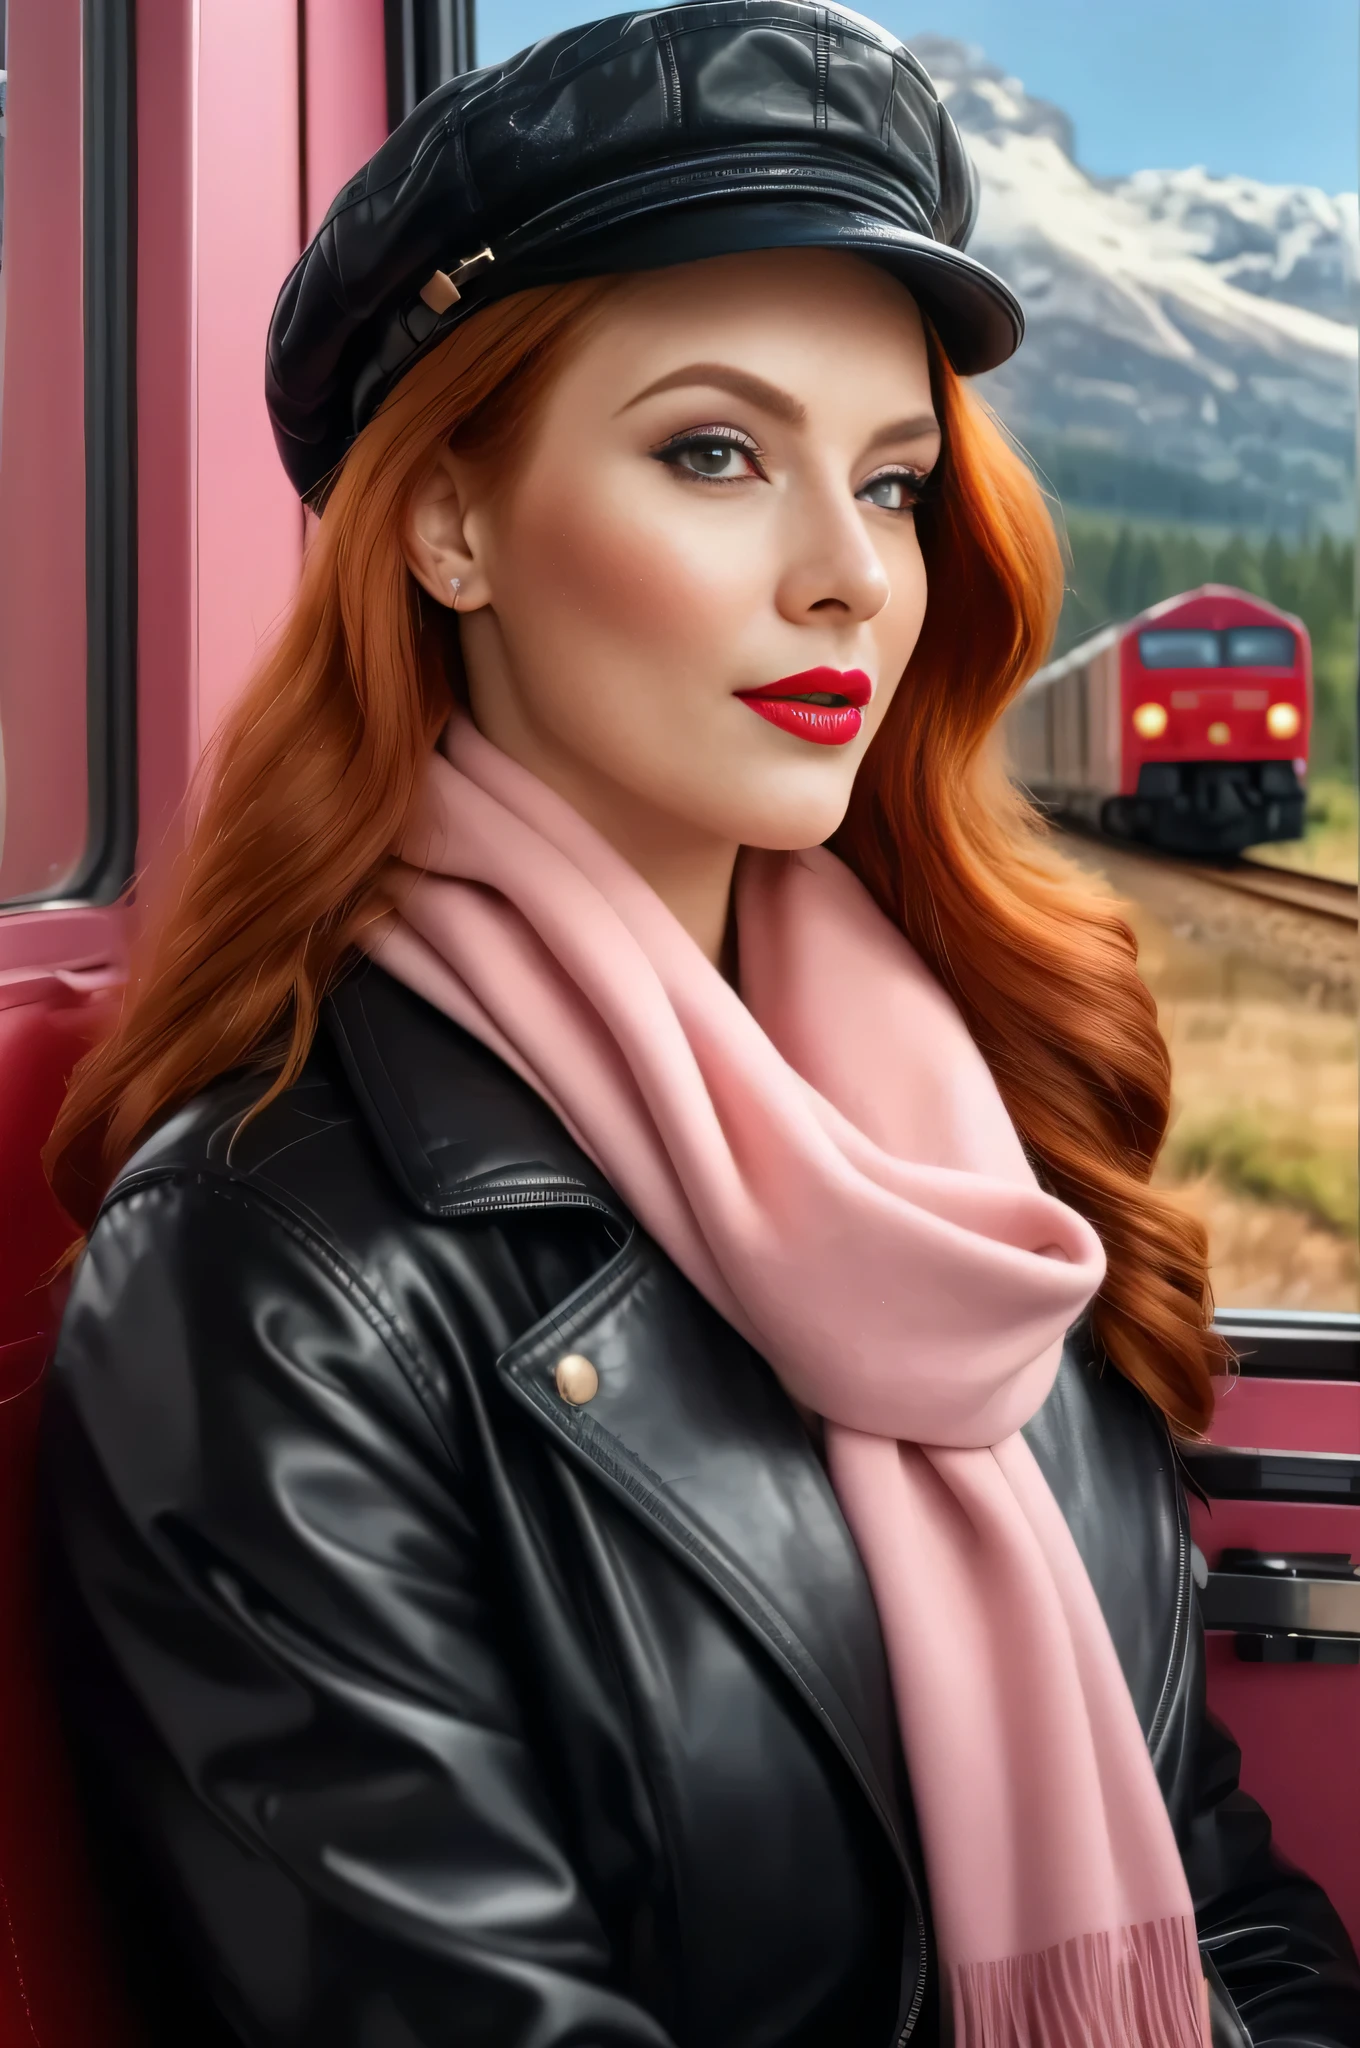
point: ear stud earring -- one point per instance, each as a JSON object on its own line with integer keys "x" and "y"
{"x": 455, "y": 585}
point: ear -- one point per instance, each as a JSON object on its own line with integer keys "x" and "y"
{"x": 436, "y": 541}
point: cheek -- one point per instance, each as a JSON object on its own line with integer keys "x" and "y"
{"x": 898, "y": 626}
{"x": 630, "y": 568}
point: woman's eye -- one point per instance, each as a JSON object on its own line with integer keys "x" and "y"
{"x": 713, "y": 457}
{"x": 895, "y": 491}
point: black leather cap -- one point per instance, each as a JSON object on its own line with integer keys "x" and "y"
{"x": 643, "y": 140}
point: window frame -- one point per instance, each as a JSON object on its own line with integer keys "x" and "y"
{"x": 110, "y": 278}
{"x": 108, "y": 121}
{"x": 428, "y": 43}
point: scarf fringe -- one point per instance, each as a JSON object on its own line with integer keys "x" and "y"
{"x": 1133, "y": 1987}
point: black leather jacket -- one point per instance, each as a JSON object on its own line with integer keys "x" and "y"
{"x": 416, "y": 1707}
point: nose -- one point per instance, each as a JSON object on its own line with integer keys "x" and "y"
{"x": 831, "y": 567}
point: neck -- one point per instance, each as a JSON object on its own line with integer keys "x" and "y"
{"x": 698, "y": 892}
{"x": 690, "y": 870}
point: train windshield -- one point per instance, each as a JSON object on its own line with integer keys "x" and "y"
{"x": 1199, "y": 647}
{"x": 1259, "y": 647}
{"x": 1168, "y": 647}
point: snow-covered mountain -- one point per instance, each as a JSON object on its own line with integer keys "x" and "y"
{"x": 1192, "y": 341}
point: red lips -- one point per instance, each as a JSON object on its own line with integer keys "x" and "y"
{"x": 793, "y": 704}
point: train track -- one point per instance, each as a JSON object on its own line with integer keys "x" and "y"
{"x": 1315, "y": 895}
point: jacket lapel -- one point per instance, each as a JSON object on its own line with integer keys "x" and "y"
{"x": 689, "y": 1428}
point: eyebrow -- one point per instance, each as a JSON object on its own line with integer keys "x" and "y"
{"x": 781, "y": 405}
{"x": 914, "y": 429}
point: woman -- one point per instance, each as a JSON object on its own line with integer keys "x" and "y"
{"x": 572, "y": 1517}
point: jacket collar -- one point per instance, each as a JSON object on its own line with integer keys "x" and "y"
{"x": 689, "y": 1429}
{"x": 460, "y": 1133}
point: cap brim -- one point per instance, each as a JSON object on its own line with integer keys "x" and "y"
{"x": 978, "y": 318}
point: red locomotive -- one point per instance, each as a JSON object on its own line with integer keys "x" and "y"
{"x": 1186, "y": 727}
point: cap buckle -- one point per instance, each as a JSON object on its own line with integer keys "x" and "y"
{"x": 440, "y": 291}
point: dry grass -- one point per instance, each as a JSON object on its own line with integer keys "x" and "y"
{"x": 1266, "y": 1113}
{"x": 1285, "y": 1167}
{"x": 1268, "y": 1256}
{"x": 1263, "y": 1142}
{"x": 1267, "y": 1102}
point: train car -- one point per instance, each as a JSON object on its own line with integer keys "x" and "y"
{"x": 1186, "y": 727}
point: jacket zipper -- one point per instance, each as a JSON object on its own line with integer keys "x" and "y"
{"x": 914, "y": 2011}
{"x": 511, "y": 1199}
{"x": 548, "y": 1195}
{"x": 1181, "y": 1631}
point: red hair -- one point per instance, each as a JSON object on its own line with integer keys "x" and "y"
{"x": 306, "y": 791}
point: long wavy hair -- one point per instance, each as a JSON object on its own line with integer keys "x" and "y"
{"x": 305, "y": 792}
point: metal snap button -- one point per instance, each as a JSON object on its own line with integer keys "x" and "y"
{"x": 577, "y": 1379}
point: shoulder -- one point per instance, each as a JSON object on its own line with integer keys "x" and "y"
{"x": 407, "y": 1207}
{"x": 399, "y": 1120}
{"x": 398, "y": 1114}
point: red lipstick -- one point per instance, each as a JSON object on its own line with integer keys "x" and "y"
{"x": 820, "y": 704}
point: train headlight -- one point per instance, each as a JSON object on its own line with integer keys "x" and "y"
{"x": 1149, "y": 721}
{"x": 1283, "y": 721}
{"x": 1219, "y": 733}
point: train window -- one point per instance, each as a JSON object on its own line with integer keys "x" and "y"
{"x": 1259, "y": 647}
{"x": 1167, "y": 243}
{"x": 1165, "y": 648}
{"x": 1175, "y": 246}
{"x": 1238, "y": 647}
{"x": 66, "y": 514}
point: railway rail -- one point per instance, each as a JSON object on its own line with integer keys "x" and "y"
{"x": 1315, "y": 895}
{"x": 1312, "y": 895}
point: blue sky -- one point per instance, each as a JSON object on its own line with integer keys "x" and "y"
{"x": 1270, "y": 88}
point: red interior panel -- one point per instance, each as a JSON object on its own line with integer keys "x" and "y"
{"x": 57, "y": 1985}
{"x": 1289, "y": 1415}
{"x": 1297, "y": 1723}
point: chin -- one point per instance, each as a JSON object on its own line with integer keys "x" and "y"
{"x": 784, "y": 824}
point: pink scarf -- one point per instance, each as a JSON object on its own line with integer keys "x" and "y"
{"x": 827, "y": 1159}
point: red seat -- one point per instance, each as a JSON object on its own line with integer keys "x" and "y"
{"x": 58, "y": 1986}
